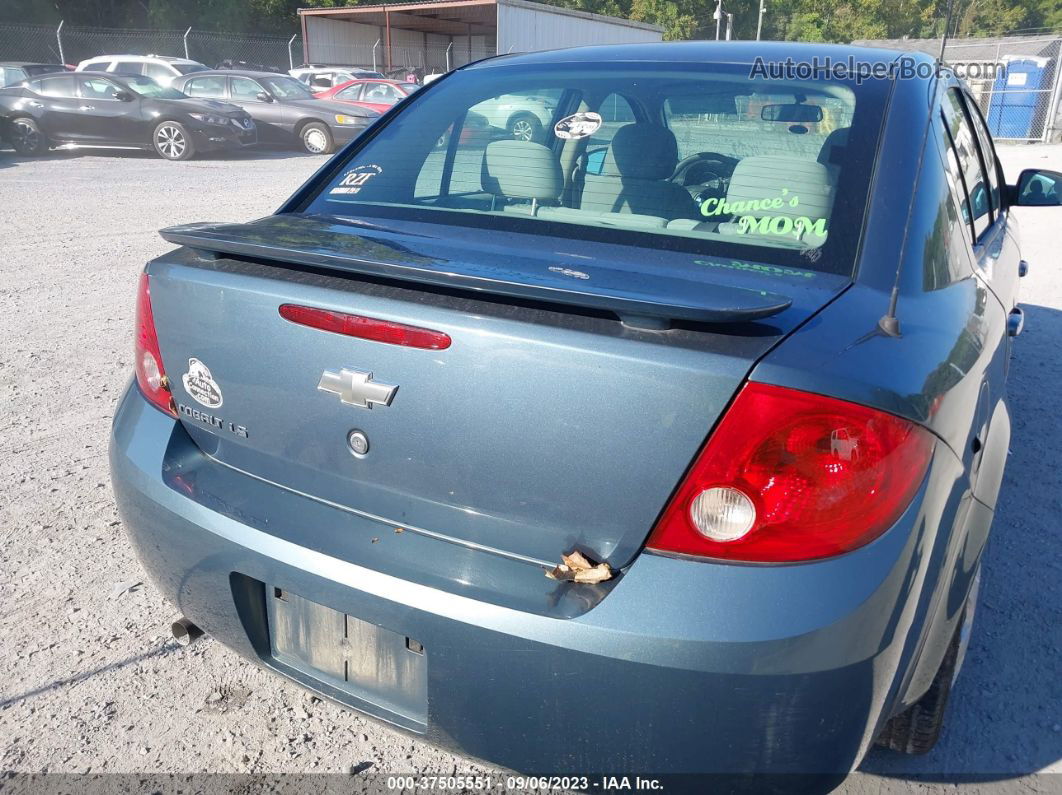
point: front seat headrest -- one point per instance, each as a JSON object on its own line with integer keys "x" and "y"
{"x": 642, "y": 151}
{"x": 800, "y": 187}
{"x": 833, "y": 147}
{"x": 521, "y": 170}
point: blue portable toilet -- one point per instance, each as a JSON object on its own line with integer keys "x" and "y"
{"x": 1018, "y": 92}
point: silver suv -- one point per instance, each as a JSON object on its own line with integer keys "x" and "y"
{"x": 160, "y": 68}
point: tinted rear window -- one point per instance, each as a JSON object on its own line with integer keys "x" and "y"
{"x": 697, "y": 158}
{"x": 60, "y": 87}
{"x": 43, "y": 69}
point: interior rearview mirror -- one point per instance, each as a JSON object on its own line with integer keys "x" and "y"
{"x": 264, "y": 96}
{"x": 1038, "y": 188}
{"x": 808, "y": 114}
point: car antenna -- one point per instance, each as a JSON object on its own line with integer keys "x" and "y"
{"x": 889, "y": 324}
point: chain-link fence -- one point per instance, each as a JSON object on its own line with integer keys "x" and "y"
{"x": 70, "y": 45}
{"x": 1015, "y": 80}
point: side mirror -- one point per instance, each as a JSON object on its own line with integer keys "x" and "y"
{"x": 1038, "y": 188}
{"x": 123, "y": 96}
{"x": 792, "y": 113}
{"x": 264, "y": 96}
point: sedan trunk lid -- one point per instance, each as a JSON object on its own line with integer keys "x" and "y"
{"x": 547, "y": 424}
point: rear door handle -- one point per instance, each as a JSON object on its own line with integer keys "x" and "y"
{"x": 88, "y": 107}
{"x": 35, "y": 104}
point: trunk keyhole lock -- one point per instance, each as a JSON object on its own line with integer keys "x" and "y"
{"x": 358, "y": 443}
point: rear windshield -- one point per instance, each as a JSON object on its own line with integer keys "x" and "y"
{"x": 698, "y": 158}
{"x": 43, "y": 69}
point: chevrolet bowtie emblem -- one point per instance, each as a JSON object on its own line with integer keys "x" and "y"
{"x": 357, "y": 388}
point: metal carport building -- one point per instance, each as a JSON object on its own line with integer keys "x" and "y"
{"x": 438, "y": 36}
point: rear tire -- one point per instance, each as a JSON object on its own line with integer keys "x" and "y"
{"x": 917, "y": 729}
{"x": 26, "y": 137}
{"x": 172, "y": 141}
{"x": 316, "y": 139}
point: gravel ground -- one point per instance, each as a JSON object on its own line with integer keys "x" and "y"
{"x": 94, "y": 684}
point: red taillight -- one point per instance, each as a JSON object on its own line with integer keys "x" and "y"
{"x": 150, "y": 374}
{"x": 367, "y": 328}
{"x": 790, "y": 476}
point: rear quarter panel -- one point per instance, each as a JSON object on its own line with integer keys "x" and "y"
{"x": 945, "y": 370}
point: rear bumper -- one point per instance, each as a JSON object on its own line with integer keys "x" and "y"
{"x": 684, "y": 667}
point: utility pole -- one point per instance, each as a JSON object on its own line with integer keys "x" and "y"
{"x": 759, "y": 22}
{"x": 718, "y": 16}
{"x": 729, "y": 25}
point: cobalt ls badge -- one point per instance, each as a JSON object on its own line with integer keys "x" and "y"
{"x": 200, "y": 385}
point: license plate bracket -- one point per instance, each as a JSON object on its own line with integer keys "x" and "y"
{"x": 370, "y": 662}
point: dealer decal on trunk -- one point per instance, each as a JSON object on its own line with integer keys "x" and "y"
{"x": 200, "y": 385}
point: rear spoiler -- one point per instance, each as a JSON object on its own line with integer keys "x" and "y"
{"x": 326, "y": 243}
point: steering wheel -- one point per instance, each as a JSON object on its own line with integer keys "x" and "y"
{"x": 705, "y": 168}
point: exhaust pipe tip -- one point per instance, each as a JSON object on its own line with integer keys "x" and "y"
{"x": 185, "y": 632}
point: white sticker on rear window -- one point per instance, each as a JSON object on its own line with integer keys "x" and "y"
{"x": 355, "y": 179}
{"x": 578, "y": 125}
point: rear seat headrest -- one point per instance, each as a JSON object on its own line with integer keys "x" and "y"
{"x": 521, "y": 170}
{"x": 642, "y": 151}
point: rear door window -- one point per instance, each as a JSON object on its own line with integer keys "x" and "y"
{"x": 988, "y": 151}
{"x": 205, "y": 87}
{"x": 158, "y": 72}
{"x": 964, "y": 141}
{"x": 11, "y": 76}
{"x": 62, "y": 87}
{"x": 97, "y": 66}
{"x": 129, "y": 68}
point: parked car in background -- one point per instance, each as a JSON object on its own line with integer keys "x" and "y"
{"x": 282, "y": 107}
{"x": 99, "y": 109}
{"x": 322, "y": 76}
{"x": 14, "y": 72}
{"x": 160, "y": 68}
{"x": 746, "y": 382}
{"x": 525, "y": 116}
{"x": 376, "y": 94}
{"x": 247, "y": 66}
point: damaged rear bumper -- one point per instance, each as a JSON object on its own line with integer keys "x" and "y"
{"x": 677, "y": 666}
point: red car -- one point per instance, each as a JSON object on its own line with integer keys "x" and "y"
{"x": 379, "y": 95}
